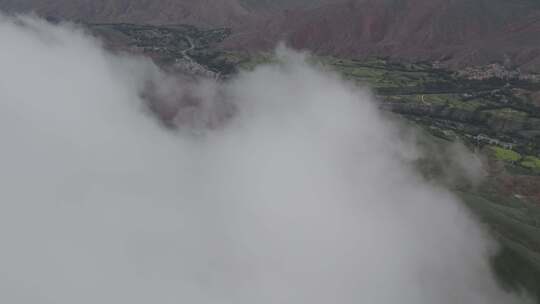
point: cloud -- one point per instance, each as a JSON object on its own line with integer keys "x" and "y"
{"x": 301, "y": 194}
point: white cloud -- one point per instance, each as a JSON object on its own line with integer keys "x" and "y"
{"x": 303, "y": 196}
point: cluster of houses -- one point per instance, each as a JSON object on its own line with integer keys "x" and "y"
{"x": 481, "y": 138}
{"x": 496, "y": 70}
{"x": 192, "y": 67}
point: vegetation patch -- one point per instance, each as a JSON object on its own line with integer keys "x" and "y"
{"x": 510, "y": 114}
{"x": 505, "y": 154}
{"x": 531, "y": 162}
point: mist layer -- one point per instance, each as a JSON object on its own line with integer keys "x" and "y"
{"x": 305, "y": 194}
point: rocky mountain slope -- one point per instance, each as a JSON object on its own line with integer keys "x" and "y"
{"x": 460, "y": 32}
{"x": 455, "y": 32}
{"x": 213, "y": 13}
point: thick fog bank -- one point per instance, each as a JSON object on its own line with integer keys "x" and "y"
{"x": 305, "y": 194}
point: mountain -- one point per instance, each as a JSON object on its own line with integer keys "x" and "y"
{"x": 456, "y": 32}
{"x": 213, "y": 13}
{"x": 281, "y": 4}
{"x": 461, "y": 32}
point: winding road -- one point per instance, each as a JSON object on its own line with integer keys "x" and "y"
{"x": 194, "y": 65}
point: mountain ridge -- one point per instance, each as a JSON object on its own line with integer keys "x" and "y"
{"x": 456, "y": 32}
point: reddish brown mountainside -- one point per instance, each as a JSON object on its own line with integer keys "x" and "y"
{"x": 197, "y": 12}
{"x": 459, "y": 32}
{"x": 464, "y": 31}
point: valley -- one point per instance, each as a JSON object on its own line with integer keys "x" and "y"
{"x": 491, "y": 109}
{"x": 458, "y": 76}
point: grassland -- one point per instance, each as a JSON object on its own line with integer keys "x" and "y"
{"x": 531, "y": 162}
{"x": 516, "y": 224}
{"x": 512, "y": 216}
{"x": 506, "y": 154}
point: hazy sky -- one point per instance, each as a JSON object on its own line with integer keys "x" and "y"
{"x": 305, "y": 195}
